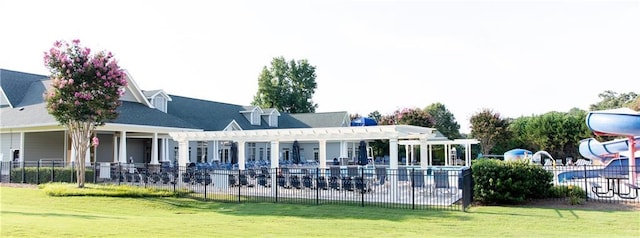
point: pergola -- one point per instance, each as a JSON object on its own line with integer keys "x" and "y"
{"x": 409, "y": 136}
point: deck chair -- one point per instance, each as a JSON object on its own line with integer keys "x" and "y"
{"x": 203, "y": 178}
{"x": 232, "y": 180}
{"x": 334, "y": 177}
{"x": 321, "y": 183}
{"x": 282, "y": 181}
{"x": 294, "y": 181}
{"x": 262, "y": 180}
{"x": 307, "y": 181}
{"x": 417, "y": 181}
{"x": 441, "y": 179}
{"x": 352, "y": 172}
{"x": 347, "y": 183}
{"x": 380, "y": 179}
{"x": 403, "y": 176}
{"x": 164, "y": 176}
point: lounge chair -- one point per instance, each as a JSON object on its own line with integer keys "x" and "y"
{"x": 441, "y": 179}
{"x": 417, "y": 181}
{"x": 321, "y": 183}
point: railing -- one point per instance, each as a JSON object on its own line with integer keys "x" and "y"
{"x": 439, "y": 188}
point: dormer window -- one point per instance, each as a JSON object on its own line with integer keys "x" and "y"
{"x": 273, "y": 120}
{"x": 255, "y": 117}
{"x": 160, "y": 103}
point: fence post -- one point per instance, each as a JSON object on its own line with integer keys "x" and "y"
{"x": 204, "y": 178}
{"x": 95, "y": 173}
{"x": 317, "y": 189}
{"x": 277, "y": 181}
{"x": 73, "y": 166}
{"x": 53, "y": 171}
{"x": 413, "y": 188}
{"x": 119, "y": 173}
{"x": 23, "y": 175}
{"x": 239, "y": 185}
{"x": 38, "y": 173}
{"x": 586, "y": 189}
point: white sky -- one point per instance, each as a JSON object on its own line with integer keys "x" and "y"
{"x": 515, "y": 57}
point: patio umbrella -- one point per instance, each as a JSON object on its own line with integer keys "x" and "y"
{"x": 296, "y": 152}
{"x": 234, "y": 153}
{"x": 362, "y": 153}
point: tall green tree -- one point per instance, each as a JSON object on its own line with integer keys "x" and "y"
{"x": 489, "y": 128}
{"x": 444, "y": 120}
{"x": 612, "y": 100}
{"x": 375, "y": 115}
{"x": 287, "y": 86}
{"x": 85, "y": 93}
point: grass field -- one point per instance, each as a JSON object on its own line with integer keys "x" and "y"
{"x": 30, "y": 213}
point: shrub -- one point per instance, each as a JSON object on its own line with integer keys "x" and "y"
{"x": 575, "y": 194}
{"x": 35, "y": 175}
{"x": 509, "y": 182}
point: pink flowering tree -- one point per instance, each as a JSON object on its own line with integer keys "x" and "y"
{"x": 85, "y": 93}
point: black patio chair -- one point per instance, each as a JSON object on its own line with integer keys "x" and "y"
{"x": 334, "y": 182}
{"x": 294, "y": 181}
{"x": 321, "y": 183}
{"x": 282, "y": 181}
{"x": 232, "y": 180}
{"x": 164, "y": 176}
{"x": 347, "y": 184}
{"x": 262, "y": 180}
{"x": 307, "y": 181}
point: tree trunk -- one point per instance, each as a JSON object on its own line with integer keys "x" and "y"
{"x": 80, "y": 135}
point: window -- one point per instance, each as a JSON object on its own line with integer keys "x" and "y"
{"x": 202, "y": 152}
{"x": 255, "y": 117}
{"x": 252, "y": 151}
{"x": 160, "y": 103}
{"x": 273, "y": 120}
{"x": 261, "y": 153}
{"x": 316, "y": 154}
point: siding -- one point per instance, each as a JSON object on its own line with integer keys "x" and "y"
{"x": 8, "y": 141}
{"x": 44, "y": 145}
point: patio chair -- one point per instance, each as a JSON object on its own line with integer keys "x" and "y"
{"x": 417, "y": 181}
{"x": 334, "y": 182}
{"x": 347, "y": 183}
{"x": 352, "y": 172}
{"x": 321, "y": 183}
{"x": 307, "y": 181}
{"x": 203, "y": 178}
{"x": 294, "y": 181}
{"x": 403, "y": 176}
{"x": 262, "y": 180}
{"x": 380, "y": 179}
{"x": 232, "y": 180}
{"x": 441, "y": 179}
{"x": 282, "y": 181}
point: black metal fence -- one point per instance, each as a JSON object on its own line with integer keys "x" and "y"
{"x": 609, "y": 183}
{"x": 443, "y": 188}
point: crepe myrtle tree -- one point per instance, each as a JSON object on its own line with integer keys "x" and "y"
{"x": 85, "y": 92}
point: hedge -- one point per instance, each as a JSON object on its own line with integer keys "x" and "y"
{"x": 35, "y": 175}
{"x": 511, "y": 182}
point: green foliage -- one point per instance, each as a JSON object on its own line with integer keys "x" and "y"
{"x": 489, "y": 128}
{"x": 555, "y": 132}
{"x": 511, "y": 182}
{"x": 34, "y": 175}
{"x": 612, "y": 100}
{"x": 287, "y": 86}
{"x": 67, "y": 190}
{"x": 575, "y": 194}
{"x": 444, "y": 120}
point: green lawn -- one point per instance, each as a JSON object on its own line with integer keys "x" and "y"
{"x": 31, "y": 213}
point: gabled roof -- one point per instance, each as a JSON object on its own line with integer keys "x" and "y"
{"x": 209, "y": 115}
{"x": 153, "y": 93}
{"x": 14, "y": 85}
{"x": 216, "y": 116}
{"x": 31, "y": 110}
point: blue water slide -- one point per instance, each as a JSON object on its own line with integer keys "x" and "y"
{"x": 604, "y": 151}
{"x": 622, "y": 121}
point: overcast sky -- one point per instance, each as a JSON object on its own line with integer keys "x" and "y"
{"x": 515, "y": 57}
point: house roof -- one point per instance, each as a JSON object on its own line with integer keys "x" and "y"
{"x": 215, "y": 116}
{"x": 15, "y": 84}
{"x": 31, "y": 110}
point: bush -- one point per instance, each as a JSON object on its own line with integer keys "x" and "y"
{"x": 35, "y": 175}
{"x": 575, "y": 194}
{"x": 509, "y": 182}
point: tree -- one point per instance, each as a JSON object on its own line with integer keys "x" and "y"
{"x": 85, "y": 93}
{"x": 444, "y": 120}
{"x": 375, "y": 115}
{"x": 287, "y": 87}
{"x": 489, "y": 128}
{"x": 612, "y": 100}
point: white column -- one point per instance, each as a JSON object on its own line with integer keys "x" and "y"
{"x": 430, "y": 155}
{"x": 87, "y": 155}
{"x": 21, "y": 155}
{"x": 446, "y": 155}
{"x": 393, "y": 165}
{"x": 343, "y": 149}
{"x": 154, "y": 149}
{"x": 73, "y": 154}
{"x": 322, "y": 154}
{"x": 241, "y": 155}
{"x": 407, "y": 153}
{"x": 163, "y": 149}
{"x": 123, "y": 147}
{"x": 66, "y": 145}
{"x": 424, "y": 153}
{"x": 183, "y": 153}
{"x": 216, "y": 148}
{"x": 467, "y": 154}
{"x": 115, "y": 148}
{"x": 275, "y": 160}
